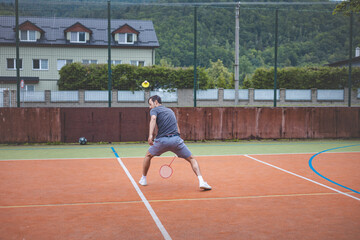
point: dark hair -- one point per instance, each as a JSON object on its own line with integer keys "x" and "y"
{"x": 155, "y": 98}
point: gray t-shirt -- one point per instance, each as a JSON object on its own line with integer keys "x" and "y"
{"x": 165, "y": 120}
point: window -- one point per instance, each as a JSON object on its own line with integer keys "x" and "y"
{"x": 137, "y": 63}
{"x": 11, "y": 63}
{"x": 40, "y": 64}
{"x": 63, "y": 62}
{"x": 78, "y": 37}
{"x": 30, "y": 88}
{"x": 115, "y": 62}
{"x": 127, "y": 38}
{"x": 28, "y": 35}
{"x": 87, "y": 61}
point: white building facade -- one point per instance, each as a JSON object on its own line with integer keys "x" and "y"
{"x": 47, "y": 44}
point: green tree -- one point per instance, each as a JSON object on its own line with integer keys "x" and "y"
{"x": 308, "y": 35}
{"x": 164, "y": 62}
{"x": 245, "y": 66}
{"x": 347, "y": 7}
{"x": 219, "y": 75}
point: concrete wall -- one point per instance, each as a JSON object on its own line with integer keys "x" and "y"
{"x": 33, "y": 125}
{"x": 185, "y": 99}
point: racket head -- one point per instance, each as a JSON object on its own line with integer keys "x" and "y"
{"x": 165, "y": 171}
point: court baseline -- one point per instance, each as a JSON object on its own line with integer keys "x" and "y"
{"x": 220, "y": 155}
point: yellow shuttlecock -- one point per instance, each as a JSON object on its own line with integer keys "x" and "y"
{"x": 145, "y": 84}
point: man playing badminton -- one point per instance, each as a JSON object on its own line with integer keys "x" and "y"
{"x": 167, "y": 139}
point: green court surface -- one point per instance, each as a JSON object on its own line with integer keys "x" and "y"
{"x": 212, "y": 148}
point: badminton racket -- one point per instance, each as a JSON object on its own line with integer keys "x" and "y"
{"x": 165, "y": 170}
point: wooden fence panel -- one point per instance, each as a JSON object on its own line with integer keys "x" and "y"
{"x": 30, "y": 125}
{"x": 40, "y": 125}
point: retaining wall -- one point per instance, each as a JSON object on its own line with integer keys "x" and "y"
{"x": 184, "y": 98}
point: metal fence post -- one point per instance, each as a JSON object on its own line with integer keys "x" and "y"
{"x": 109, "y": 55}
{"x": 350, "y": 57}
{"x": 276, "y": 53}
{"x": 236, "y": 66}
{"x": 17, "y": 53}
{"x": 195, "y": 50}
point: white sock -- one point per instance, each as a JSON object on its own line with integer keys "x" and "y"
{"x": 143, "y": 177}
{"x": 201, "y": 180}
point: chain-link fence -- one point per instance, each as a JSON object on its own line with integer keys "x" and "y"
{"x": 64, "y": 53}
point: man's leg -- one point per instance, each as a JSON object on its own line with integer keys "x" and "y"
{"x": 146, "y": 166}
{"x": 194, "y": 165}
{"x": 196, "y": 168}
{"x": 146, "y": 163}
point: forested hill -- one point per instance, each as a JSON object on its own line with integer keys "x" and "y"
{"x": 308, "y": 34}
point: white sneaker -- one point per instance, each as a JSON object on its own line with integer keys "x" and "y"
{"x": 205, "y": 186}
{"x": 143, "y": 182}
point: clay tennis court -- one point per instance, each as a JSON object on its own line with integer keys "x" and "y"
{"x": 254, "y": 196}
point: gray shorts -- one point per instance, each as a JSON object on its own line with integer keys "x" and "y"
{"x": 174, "y": 144}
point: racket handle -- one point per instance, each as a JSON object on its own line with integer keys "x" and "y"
{"x": 172, "y": 160}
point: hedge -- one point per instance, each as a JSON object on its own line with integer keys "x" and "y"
{"x": 77, "y": 76}
{"x": 127, "y": 77}
{"x": 304, "y": 78}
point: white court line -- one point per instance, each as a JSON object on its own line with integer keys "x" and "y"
{"x": 142, "y": 156}
{"x": 56, "y": 159}
{"x": 145, "y": 201}
{"x": 323, "y": 185}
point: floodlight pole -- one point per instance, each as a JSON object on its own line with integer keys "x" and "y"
{"x": 109, "y": 55}
{"x": 236, "y": 66}
{"x": 276, "y": 53}
{"x": 195, "y": 50}
{"x": 17, "y": 53}
{"x": 350, "y": 57}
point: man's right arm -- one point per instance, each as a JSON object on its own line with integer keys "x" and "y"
{"x": 152, "y": 129}
{"x": 178, "y": 127}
